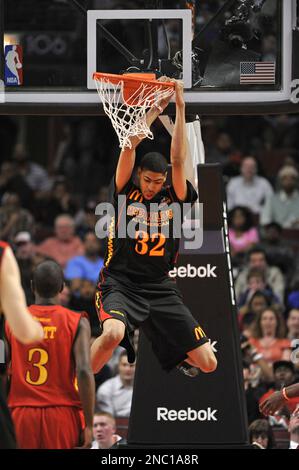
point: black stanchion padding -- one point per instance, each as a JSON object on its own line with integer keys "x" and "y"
{"x": 170, "y": 409}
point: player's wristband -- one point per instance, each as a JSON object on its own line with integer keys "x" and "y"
{"x": 159, "y": 108}
{"x": 284, "y": 393}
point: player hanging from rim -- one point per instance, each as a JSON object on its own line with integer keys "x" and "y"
{"x": 45, "y": 403}
{"x": 23, "y": 326}
{"x": 134, "y": 287}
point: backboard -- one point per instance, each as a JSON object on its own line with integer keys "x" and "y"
{"x": 235, "y": 56}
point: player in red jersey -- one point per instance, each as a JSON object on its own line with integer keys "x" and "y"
{"x": 24, "y": 327}
{"x": 45, "y": 404}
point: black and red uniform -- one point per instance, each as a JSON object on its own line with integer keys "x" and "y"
{"x": 43, "y": 397}
{"x": 134, "y": 285}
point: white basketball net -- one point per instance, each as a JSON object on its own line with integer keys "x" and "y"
{"x": 130, "y": 120}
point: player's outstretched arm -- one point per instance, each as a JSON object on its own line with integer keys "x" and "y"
{"x": 178, "y": 153}
{"x": 127, "y": 156}
{"x": 23, "y": 326}
{"x": 86, "y": 383}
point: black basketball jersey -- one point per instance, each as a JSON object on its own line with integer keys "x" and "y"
{"x": 144, "y": 235}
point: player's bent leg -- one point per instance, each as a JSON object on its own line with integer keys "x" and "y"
{"x": 103, "y": 347}
{"x": 203, "y": 358}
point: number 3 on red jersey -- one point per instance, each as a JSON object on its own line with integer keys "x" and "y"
{"x": 40, "y": 360}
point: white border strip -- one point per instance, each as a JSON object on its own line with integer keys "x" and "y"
{"x": 94, "y": 15}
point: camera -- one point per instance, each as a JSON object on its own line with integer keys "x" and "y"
{"x": 237, "y": 29}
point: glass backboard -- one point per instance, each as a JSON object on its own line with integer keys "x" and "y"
{"x": 227, "y": 52}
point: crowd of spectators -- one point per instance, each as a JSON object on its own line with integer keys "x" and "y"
{"x": 42, "y": 215}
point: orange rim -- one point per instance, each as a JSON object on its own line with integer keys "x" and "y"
{"x": 133, "y": 79}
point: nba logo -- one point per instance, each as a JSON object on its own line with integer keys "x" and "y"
{"x": 13, "y": 65}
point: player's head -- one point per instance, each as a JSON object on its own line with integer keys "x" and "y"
{"x": 47, "y": 280}
{"x": 152, "y": 174}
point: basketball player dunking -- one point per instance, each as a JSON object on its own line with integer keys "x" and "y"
{"x": 134, "y": 288}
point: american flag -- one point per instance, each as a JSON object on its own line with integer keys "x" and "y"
{"x": 257, "y": 73}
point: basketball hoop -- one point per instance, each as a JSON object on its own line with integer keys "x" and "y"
{"x": 126, "y": 99}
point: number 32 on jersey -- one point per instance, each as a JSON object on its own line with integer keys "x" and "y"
{"x": 150, "y": 245}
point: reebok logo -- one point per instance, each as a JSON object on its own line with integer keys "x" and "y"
{"x": 163, "y": 414}
{"x": 192, "y": 271}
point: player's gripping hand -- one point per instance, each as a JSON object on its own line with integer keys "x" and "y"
{"x": 86, "y": 439}
{"x": 163, "y": 103}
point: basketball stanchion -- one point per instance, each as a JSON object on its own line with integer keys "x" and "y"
{"x": 170, "y": 409}
{"x": 209, "y": 411}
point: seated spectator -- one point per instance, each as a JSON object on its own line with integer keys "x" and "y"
{"x": 248, "y": 314}
{"x": 242, "y": 234}
{"x": 65, "y": 245}
{"x": 293, "y": 297}
{"x": 86, "y": 219}
{"x": 268, "y": 336}
{"x": 59, "y": 201}
{"x": 260, "y": 370}
{"x": 65, "y": 296}
{"x": 84, "y": 301}
{"x": 24, "y": 247}
{"x": 104, "y": 431}
{"x": 256, "y": 281}
{"x": 12, "y": 182}
{"x": 294, "y": 429}
{"x": 284, "y": 375}
{"x": 87, "y": 266}
{"x": 252, "y": 404}
{"x": 248, "y": 190}
{"x": 261, "y": 435}
{"x": 114, "y": 360}
{"x": 293, "y": 324}
{"x": 14, "y": 219}
{"x": 283, "y": 206}
{"x": 35, "y": 175}
{"x": 223, "y": 150}
{"x": 25, "y": 253}
{"x": 277, "y": 251}
{"x": 273, "y": 276}
{"x": 115, "y": 395}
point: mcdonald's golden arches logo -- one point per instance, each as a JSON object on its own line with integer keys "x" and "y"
{"x": 199, "y": 333}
